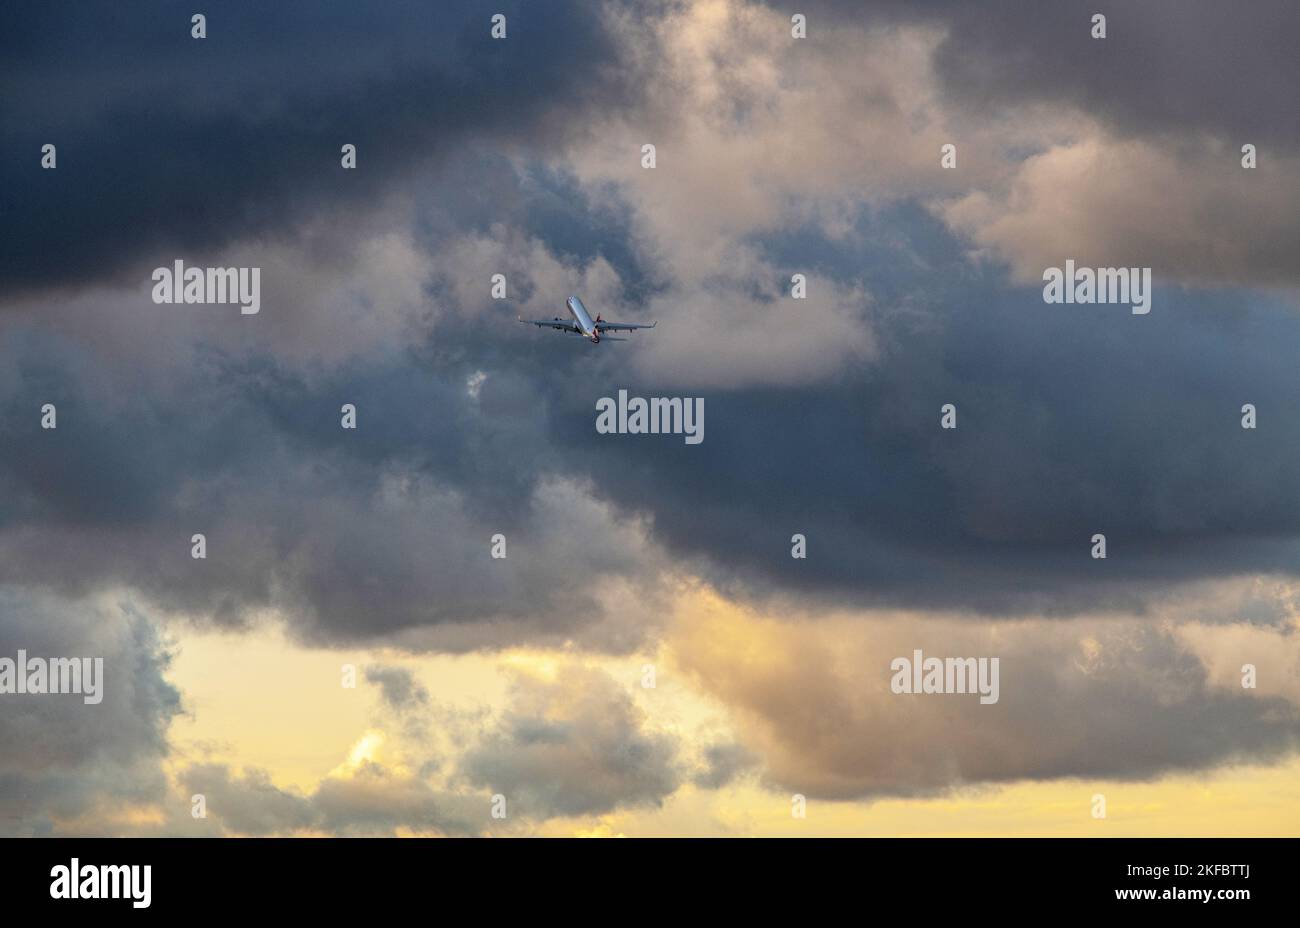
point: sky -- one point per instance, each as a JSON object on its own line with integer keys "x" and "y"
{"x": 648, "y": 658}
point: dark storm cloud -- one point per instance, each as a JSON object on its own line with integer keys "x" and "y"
{"x": 1072, "y": 420}
{"x": 183, "y": 145}
{"x": 1164, "y": 66}
{"x": 374, "y": 537}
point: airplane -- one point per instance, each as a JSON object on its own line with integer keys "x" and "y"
{"x": 582, "y": 324}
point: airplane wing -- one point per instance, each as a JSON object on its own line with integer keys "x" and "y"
{"x": 563, "y": 325}
{"x": 603, "y": 326}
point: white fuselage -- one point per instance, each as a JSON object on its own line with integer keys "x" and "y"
{"x": 582, "y": 318}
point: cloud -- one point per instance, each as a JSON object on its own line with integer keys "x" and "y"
{"x": 353, "y": 541}
{"x": 1164, "y": 67}
{"x": 249, "y": 803}
{"x": 571, "y": 745}
{"x": 1083, "y": 699}
{"x": 775, "y": 156}
{"x": 400, "y": 689}
{"x": 186, "y": 145}
{"x": 574, "y": 745}
{"x": 724, "y": 763}
{"x": 1191, "y": 216}
{"x": 1064, "y": 430}
{"x": 373, "y": 801}
{"x": 64, "y": 760}
{"x": 185, "y": 418}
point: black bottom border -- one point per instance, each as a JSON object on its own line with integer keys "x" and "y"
{"x": 365, "y": 876}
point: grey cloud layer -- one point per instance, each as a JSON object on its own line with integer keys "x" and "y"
{"x": 61, "y": 758}
{"x": 1088, "y": 700}
{"x": 1164, "y": 66}
{"x": 1067, "y": 426}
{"x": 376, "y": 801}
{"x": 823, "y": 416}
{"x": 572, "y": 746}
